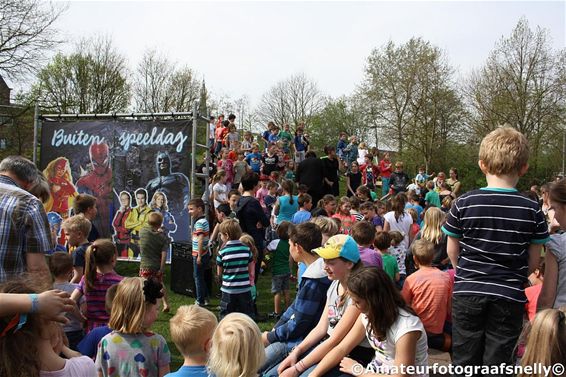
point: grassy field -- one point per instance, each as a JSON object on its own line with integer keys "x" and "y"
{"x": 161, "y": 326}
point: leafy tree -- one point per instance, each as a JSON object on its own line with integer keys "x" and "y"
{"x": 522, "y": 84}
{"x": 92, "y": 79}
{"x": 410, "y": 99}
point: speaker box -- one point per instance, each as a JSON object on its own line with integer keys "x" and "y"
{"x": 182, "y": 280}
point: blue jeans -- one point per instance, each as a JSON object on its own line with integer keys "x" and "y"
{"x": 485, "y": 329}
{"x": 384, "y": 186}
{"x": 198, "y": 275}
{"x": 275, "y": 353}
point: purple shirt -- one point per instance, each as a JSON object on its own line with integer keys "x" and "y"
{"x": 370, "y": 257}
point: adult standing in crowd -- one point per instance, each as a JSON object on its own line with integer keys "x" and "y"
{"x": 310, "y": 173}
{"x": 330, "y": 171}
{"x": 399, "y": 180}
{"x": 26, "y": 236}
{"x": 454, "y": 183}
{"x": 251, "y": 216}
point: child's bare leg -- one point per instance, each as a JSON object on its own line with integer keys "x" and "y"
{"x": 277, "y": 303}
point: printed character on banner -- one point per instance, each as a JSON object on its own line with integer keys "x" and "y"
{"x": 159, "y": 204}
{"x": 174, "y": 185}
{"x": 122, "y": 235}
{"x": 58, "y": 174}
{"x": 55, "y": 221}
{"x": 136, "y": 219}
{"x": 98, "y": 183}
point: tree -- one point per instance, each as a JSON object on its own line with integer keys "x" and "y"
{"x": 410, "y": 98}
{"x": 294, "y": 100}
{"x": 522, "y": 84}
{"x": 161, "y": 87}
{"x": 92, "y": 79}
{"x": 26, "y": 34}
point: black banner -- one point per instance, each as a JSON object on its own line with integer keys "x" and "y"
{"x": 131, "y": 167}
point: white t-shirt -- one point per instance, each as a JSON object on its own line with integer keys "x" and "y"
{"x": 220, "y": 192}
{"x": 403, "y": 225}
{"x": 557, "y": 247}
{"x": 335, "y": 311}
{"x": 361, "y": 156}
{"x": 82, "y": 366}
{"x": 211, "y": 130}
{"x": 385, "y": 350}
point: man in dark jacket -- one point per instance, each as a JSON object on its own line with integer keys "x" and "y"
{"x": 251, "y": 216}
{"x": 310, "y": 173}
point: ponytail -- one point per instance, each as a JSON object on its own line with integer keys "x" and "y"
{"x": 289, "y": 187}
{"x": 90, "y": 267}
{"x": 101, "y": 253}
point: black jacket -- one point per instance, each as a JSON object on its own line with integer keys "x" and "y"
{"x": 249, "y": 213}
{"x": 310, "y": 173}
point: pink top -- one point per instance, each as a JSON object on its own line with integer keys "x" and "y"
{"x": 347, "y": 222}
{"x": 532, "y": 294}
{"x": 384, "y": 170}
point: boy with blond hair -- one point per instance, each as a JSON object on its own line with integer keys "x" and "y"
{"x": 192, "y": 328}
{"x": 234, "y": 266}
{"x": 428, "y": 291}
{"x": 76, "y": 230}
{"x": 494, "y": 241}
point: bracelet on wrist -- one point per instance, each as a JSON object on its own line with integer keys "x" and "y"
{"x": 34, "y": 302}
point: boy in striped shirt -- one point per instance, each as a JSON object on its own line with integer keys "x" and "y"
{"x": 495, "y": 236}
{"x": 201, "y": 255}
{"x": 234, "y": 265}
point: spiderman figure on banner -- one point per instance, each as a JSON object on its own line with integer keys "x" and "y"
{"x": 98, "y": 183}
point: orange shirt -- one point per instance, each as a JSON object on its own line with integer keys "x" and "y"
{"x": 428, "y": 291}
{"x": 532, "y": 294}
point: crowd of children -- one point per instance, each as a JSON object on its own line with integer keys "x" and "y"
{"x": 379, "y": 282}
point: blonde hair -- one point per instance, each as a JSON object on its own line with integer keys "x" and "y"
{"x": 231, "y": 228}
{"x": 433, "y": 220}
{"x": 190, "y": 327}
{"x": 504, "y": 151}
{"x": 327, "y": 226}
{"x": 248, "y": 240}
{"x": 237, "y": 348}
{"x": 546, "y": 343}
{"x": 77, "y": 223}
{"x": 128, "y": 307}
{"x": 423, "y": 251}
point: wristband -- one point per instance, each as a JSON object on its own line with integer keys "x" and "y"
{"x": 34, "y": 302}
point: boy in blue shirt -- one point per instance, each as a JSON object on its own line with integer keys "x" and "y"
{"x": 305, "y": 311}
{"x": 495, "y": 236}
{"x": 191, "y": 331}
{"x": 254, "y": 159}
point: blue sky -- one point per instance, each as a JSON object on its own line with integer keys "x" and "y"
{"x": 243, "y": 48}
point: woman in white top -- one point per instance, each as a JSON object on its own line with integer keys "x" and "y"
{"x": 399, "y": 220}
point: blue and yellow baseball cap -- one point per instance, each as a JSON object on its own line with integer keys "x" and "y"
{"x": 340, "y": 245}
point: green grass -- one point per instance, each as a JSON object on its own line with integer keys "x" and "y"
{"x": 161, "y": 326}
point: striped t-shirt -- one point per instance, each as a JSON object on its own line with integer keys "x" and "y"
{"x": 234, "y": 259}
{"x": 495, "y": 228}
{"x": 96, "y": 314}
{"x": 200, "y": 227}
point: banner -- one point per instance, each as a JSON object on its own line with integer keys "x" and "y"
{"x": 131, "y": 167}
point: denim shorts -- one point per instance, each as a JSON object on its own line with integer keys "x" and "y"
{"x": 280, "y": 283}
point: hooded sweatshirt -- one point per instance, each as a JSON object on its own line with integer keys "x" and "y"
{"x": 305, "y": 311}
